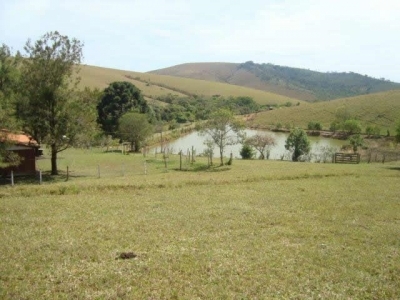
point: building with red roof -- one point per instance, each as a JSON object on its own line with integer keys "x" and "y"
{"x": 27, "y": 149}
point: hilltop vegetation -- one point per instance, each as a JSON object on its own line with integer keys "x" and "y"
{"x": 154, "y": 86}
{"x": 292, "y": 82}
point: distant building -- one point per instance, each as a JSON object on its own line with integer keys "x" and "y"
{"x": 26, "y": 148}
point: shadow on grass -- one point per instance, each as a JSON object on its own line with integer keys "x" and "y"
{"x": 204, "y": 168}
{"x": 394, "y": 168}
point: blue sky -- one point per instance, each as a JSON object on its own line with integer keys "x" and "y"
{"x": 326, "y": 35}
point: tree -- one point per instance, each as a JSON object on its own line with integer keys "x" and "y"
{"x": 298, "y": 142}
{"x": 314, "y": 126}
{"x": 352, "y": 127}
{"x": 49, "y": 83}
{"x": 209, "y": 143}
{"x": 223, "y": 129}
{"x": 135, "y": 129}
{"x": 86, "y": 117}
{"x": 119, "y": 98}
{"x": 9, "y": 77}
{"x": 261, "y": 142}
{"x": 356, "y": 141}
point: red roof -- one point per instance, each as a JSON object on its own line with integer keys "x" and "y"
{"x": 17, "y": 138}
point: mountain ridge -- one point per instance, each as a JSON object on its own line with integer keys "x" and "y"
{"x": 302, "y": 84}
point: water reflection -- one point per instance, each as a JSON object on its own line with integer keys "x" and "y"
{"x": 194, "y": 139}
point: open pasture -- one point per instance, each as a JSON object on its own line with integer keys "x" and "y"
{"x": 153, "y": 85}
{"x": 253, "y": 230}
{"x": 380, "y": 109}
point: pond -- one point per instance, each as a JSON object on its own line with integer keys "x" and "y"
{"x": 319, "y": 145}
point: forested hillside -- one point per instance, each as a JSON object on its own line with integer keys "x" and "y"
{"x": 292, "y": 82}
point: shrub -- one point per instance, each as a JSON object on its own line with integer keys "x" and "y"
{"x": 352, "y": 127}
{"x": 314, "y": 126}
{"x": 247, "y": 152}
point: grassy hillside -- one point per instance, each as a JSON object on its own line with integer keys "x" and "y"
{"x": 382, "y": 109}
{"x": 153, "y": 85}
{"x": 292, "y": 82}
{"x": 253, "y": 230}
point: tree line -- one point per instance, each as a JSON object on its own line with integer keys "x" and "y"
{"x": 39, "y": 95}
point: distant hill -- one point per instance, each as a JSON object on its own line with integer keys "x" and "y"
{"x": 154, "y": 86}
{"x": 291, "y": 82}
{"x": 380, "y": 109}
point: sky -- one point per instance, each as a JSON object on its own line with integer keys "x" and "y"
{"x": 361, "y": 36}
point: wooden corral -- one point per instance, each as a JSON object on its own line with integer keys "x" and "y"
{"x": 347, "y": 158}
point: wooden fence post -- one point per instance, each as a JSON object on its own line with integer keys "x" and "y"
{"x": 67, "y": 173}
{"x": 180, "y": 160}
{"x": 40, "y": 176}
{"x": 12, "y": 178}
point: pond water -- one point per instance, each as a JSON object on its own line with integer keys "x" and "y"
{"x": 319, "y": 145}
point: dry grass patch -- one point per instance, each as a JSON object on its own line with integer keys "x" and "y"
{"x": 380, "y": 109}
{"x": 155, "y": 85}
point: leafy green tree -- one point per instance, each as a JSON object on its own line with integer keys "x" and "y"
{"x": 314, "y": 126}
{"x": 86, "y": 117}
{"x": 262, "y": 142}
{"x": 49, "y": 81}
{"x": 352, "y": 127}
{"x": 356, "y": 141}
{"x": 223, "y": 129}
{"x": 298, "y": 142}
{"x": 135, "y": 129}
{"x": 119, "y": 98}
{"x": 8, "y": 83}
{"x": 9, "y": 78}
{"x": 240, "y": 105}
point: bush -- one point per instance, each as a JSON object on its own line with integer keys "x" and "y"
{"x": 247, "y": 152}
{"x": 334, "y": 126}
{"x": 352, "y": 127}
{"x": 314, "y": 126}
{"x": 369, "y": 130}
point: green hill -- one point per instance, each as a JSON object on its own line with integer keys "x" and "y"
{"x": 154, "y": 85}
{"x": 291, "y": 82}
{"x": 380, "y": 109}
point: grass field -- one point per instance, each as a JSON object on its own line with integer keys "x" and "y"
{"x": 381, "y": 109}
{"x": 153, "y": 85}
{"x": 253, "y": 230}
